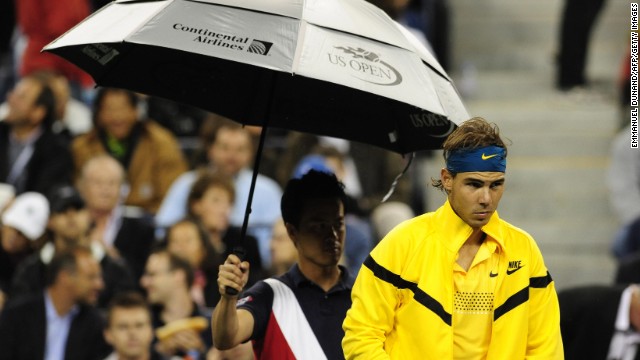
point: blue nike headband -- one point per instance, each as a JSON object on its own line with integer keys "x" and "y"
{"x": 489, "y": 158}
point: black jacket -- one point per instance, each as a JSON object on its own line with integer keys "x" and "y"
{"x": 628, "y": 271}
{"x": 30, "y": 278}
{"x": 50, "y": 164}
{"x": 134, "y": 241}
{"x": 587, "y": 320}
{"x": 23, "y": 331}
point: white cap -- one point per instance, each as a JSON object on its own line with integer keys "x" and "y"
{"x": 29, "y": 214}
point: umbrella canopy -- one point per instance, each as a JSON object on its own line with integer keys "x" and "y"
{"x": 339, "y": 68}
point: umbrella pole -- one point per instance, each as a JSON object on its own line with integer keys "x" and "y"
{"x": 256, "y": 168}
{"x": 238, "y": 250}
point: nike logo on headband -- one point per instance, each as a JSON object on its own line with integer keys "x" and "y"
{"x": 485, "y": 157}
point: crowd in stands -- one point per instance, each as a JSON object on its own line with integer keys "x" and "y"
{"x": 117, "y": 208}
{"x": 156, "y": 218}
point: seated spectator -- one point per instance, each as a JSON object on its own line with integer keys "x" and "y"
{"x": 370, "y": 170}
{"x": 283, "y": 251}
{"x": 68, "y": 227}
{"x": 600, "y": 322}
{"x": 23, "y": 224}
{"x": 190, "y": 241}
{"x": 389, "y": 214}
{"x": 168, "y": 280}
{"x": 60, "y": 322}
{"x": 102, "y": 186}
{"x": 41, "y": 23}
{"x": 149, "y": 153}
{"x": 210, "y": 202}
{"x": 623, "y": 181}
{"x": 628, "y": 271}
{"x": 72, "y": 117}
{"x": 129, "y": 329}
{"x": 229, "y": 152}
{"x": 32, "y": 157}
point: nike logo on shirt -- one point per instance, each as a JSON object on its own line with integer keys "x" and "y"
{"x": 511, "y": 271}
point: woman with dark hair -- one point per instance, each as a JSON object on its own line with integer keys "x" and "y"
{"x": 189, "y": 240}
{"x": 210, "y": 202}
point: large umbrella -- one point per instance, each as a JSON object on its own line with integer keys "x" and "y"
{"x": 339, "y": 68}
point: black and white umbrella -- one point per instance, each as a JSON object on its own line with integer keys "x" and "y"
{"x": 339, "y": 68}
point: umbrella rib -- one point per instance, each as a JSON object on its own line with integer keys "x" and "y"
{"x": 436, "y": 71}
{"x": 296, "y": 57}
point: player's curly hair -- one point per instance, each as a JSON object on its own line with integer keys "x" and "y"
{"x": 471, "y": 134}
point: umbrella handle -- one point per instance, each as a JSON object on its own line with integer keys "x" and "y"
{"x": 240, "y": 253}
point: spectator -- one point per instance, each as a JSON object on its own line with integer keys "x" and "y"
{"x": 388, "y": 215}
{"x": 68, "y": 227}
{"x": 129, "y": 329}
{"x": 210, "y": 202}
{"x": 190, "y": 241}
{"x": 283, "y": 251}
{"x": 41, "y": 22}
{"x": 623, "y": 181}
{"x": 577, "y": 21}
{"x": 377, "y": 167}
{"x": 149, "y": 153}
{"x": 600, "y": 322}
{"x": 168, "y": 280}
{"x": 229, "y": 152}
{"x": 32, "y": 158}
{"x": 102, "y": 186}
{"x": 23, "y": 225}
{"x": 61, "y": 322}
{"x": 298, "y": 314}
{"x": 628, "y": 271}
{"x": 72, "y": 117}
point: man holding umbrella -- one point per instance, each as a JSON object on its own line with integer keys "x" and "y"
{"x": 297, "y": 315}
{"x": 457, "y": 283}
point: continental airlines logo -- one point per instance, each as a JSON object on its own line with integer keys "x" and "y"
{"x": 260, "y": 47}
{"x": 365, "y": 65}
{"x": 225, "y": 40}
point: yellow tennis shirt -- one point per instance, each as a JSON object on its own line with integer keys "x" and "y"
{"x": 473, "y": 303}
{"x": 407, "y": 304}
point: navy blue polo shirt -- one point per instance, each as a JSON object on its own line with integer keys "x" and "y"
{"x": 325, "y": 311}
